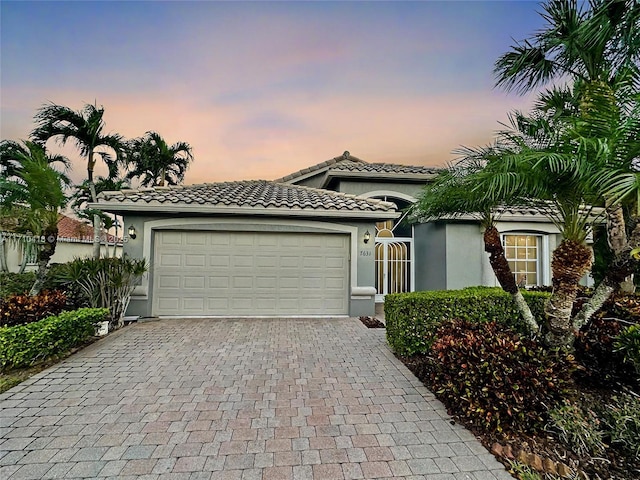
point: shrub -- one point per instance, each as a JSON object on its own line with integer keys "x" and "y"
{"x": 628, "y": 344}
{"x": 16, "y": 283}
{"x": 498, "y": 379}
{"x": 578, "y": 429}
{"x": 594, "y": 348}
{"x": 621, "y": 419}
{"x": 25, "y": 345}
{"x": 56, "y": 280}
{"x": 19, "y": 309}
{"x": 106, "y": 282}
{"x": 413, "y": 318}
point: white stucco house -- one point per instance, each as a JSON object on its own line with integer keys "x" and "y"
{"x": 331, "y": 239}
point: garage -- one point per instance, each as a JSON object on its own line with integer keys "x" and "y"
{"x": 211, "y": 273}
{"x": 250, "y": 248}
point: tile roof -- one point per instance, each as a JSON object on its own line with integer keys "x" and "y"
{"x": 250, "y": 196}
{"x": 72, "y": 230}
{"x": 349, "y": 164}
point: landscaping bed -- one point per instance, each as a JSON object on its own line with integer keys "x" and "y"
{"x": 545, "y": 414}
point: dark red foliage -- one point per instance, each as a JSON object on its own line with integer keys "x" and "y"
{"x": 371, "y": 322}
{"x": 594, "y": 348}
{"x": 498, "y": 380}
{"x": 21, "y": 309}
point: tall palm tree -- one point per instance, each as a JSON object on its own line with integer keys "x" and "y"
{"x": 86, "y": 129}
{"x": 81, "y": 197}
{"x": 33, "y": 185}
{"x": 155, "y": 162}
{"x": 451, "y": 195}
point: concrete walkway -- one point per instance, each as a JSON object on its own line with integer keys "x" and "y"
{"x": 235, "y": 399}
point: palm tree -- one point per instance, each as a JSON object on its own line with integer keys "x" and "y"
{"x": 596, "y": 44}
{"x": 596, "y": 47}
{"x": 452, "y": 195}
{"x": 86, "y": 129}
{"x": 155, "y": 163}
{"x": 38, "y": 188}
{"x": 82, "y": 197}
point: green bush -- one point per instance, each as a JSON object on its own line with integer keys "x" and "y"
{"x": 19, "y": 309}
{"x": 497, "y": 379}
{"x": 106, "y": 282}
{"x": 413, "y": 318}
{"x": 25, "y": 345}
{"x": 621, "y": 419}
{"x": 16, "y": 283}
{"x": 577, "y": 429}
{"x": 628, "y": 344}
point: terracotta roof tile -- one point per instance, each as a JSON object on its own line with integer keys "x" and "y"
{"x": 73, "y": 230}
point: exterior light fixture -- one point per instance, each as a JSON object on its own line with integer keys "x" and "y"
{"x": 367, "y": 236}
{"x": 132, "y": 232}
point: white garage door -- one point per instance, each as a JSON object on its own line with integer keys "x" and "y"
{"x": 250, "y": 273}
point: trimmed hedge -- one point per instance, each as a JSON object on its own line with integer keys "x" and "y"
{"x": 413, "y": 318}
{"x": 25, "y": 345}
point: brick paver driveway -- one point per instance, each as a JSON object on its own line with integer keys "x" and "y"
{"x": 235, "y": 399}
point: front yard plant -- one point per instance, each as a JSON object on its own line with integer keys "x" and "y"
{"x": 106, "y": 283}
{"x": 20, "y": 309}
{"x": 579, "y": 408}
{"x": 26, "y": 345}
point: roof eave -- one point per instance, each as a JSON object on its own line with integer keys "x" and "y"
{"x": 247, "y": 211}
{"x": 412, "y": 177}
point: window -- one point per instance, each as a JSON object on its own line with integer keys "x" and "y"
{"x": 523, "y": 255}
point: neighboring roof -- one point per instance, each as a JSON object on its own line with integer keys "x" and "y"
{"x": 251, "y": 197}
{"x": 72, "y": 230}
{"x": 348, "y": 166}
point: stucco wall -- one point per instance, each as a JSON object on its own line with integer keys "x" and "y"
{"x": 451, "y": 255}
{"x": 362, "y": 269}
{"x": 431, "y": 256}
{"x": 65, "y": 252}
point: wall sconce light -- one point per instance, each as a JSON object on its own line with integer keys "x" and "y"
{"x": 367, "y": 236}
{"x": 132, "y": 232}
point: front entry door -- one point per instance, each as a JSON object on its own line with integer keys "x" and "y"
{"x": 394, "y": 272}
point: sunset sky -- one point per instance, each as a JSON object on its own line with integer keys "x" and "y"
{"x": 262, "y": 89}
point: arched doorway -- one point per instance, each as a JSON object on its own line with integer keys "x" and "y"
{"x": 394, "y": 253}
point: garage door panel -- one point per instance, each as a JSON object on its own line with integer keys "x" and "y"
{"x": 194, "y": 282}
{"x": 196, "y": 238}
{"x": 191, "y": 260}
{"x": 166, "y": 281}
{"x": 250, "y": 273}
{"x": 242, "y": 261}
{"x": 170, "y": 260}
{"x": 219, "y": 260}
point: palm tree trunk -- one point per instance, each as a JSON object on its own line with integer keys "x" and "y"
{"x": 571, "y": 261}
{"x": 618, "y": 270}
{"x": 46, "y": 251}
{"x": 94, "y": 198}
{"x": 500, "y": 265}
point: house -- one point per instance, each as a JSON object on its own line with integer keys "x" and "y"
{"x": 75, "y": 239}
{"x": 331, "y": 239}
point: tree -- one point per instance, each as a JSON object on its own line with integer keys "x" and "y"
{"x": 86, "y": 129}
{"x": 34, "y": 186}
{"x": 155, "y": 163}
{"x": 452, "y": 195}
{"x": 596, "y": 47}
{"x": 82, "y": 197}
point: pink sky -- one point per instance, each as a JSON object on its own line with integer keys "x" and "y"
{"x": 264, "y": 89}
